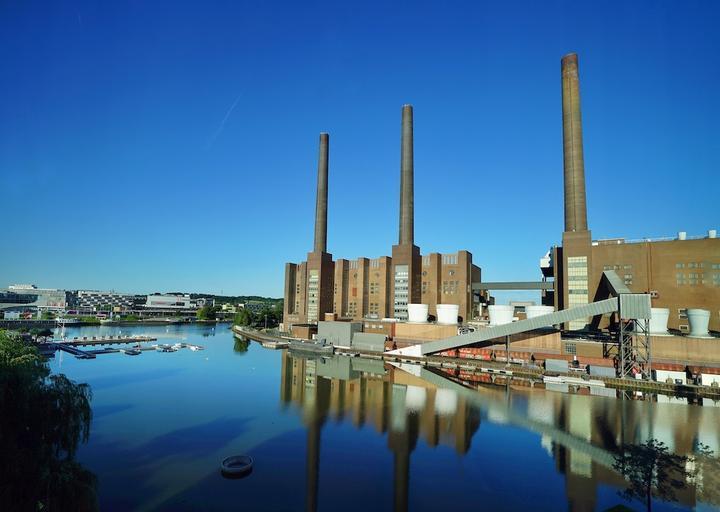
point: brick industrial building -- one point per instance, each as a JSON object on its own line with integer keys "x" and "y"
{"x": 679, "y": 273}
{"x": 376, "y": 287}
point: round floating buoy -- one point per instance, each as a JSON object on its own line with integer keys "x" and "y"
{"x": 236, "y": 466}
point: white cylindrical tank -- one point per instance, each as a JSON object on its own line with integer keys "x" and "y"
{"x": 699, "y": 319}
{"x": 533, "y": 311}
{"x": 682, "y": 235}
{"x": 712, "y": 233}
{"x": 501, "y": 314}
{"x": 417, "y": 313}
{"x": 659, "y": 320}
{"x": 448, "y": 314}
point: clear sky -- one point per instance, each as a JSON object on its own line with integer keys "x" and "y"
{"x": 156, "y": 146}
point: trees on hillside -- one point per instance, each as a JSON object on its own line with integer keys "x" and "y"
{"x": 268, "y": 316}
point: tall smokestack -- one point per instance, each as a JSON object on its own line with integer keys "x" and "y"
{"x": 574, "y": 167}
{"x": 406, "y": 178}
{"x": 322, "y": 196}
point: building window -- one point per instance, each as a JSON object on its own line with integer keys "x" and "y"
{"x": 577, "y": 285}
{"x": 313, "y": 295}
{"x": 401, "y": 292}
{"x": 571, "y": 348}
{"x": 682, "y": 313}
{"x": 679, "y": 265}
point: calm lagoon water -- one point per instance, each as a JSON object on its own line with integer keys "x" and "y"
{"x": 352, "y": 434}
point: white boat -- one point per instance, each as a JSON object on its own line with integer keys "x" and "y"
{"x": 66, "y": 321}
{"x": 195, "y": 348}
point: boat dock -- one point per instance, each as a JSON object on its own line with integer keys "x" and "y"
{"x": 71, "y": 348}
{"x": 80, "y": 354}
{"x": 104, "y": 340}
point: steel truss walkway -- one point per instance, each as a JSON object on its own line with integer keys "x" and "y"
{"x": 500, "y": 331}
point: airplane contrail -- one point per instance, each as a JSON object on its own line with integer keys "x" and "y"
{"x": 222, "y": 123}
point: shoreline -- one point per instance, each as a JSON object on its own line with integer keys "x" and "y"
{"x": 467, "y": 367}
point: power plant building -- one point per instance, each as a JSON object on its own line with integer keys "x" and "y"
{"x": 679, "y": 273}
{"x": 376, "y": 287}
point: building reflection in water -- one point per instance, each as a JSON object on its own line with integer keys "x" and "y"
{"x": 581, "y": 432}
{"x": 365, "y": 392}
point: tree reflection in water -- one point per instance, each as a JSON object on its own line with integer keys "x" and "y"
{"x": 241, "y": 345}
{"x": 43, "y": 420}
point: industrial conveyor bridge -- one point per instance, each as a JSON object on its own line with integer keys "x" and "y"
{"x": 634, "y": 311}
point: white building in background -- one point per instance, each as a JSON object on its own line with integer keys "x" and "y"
{"x": 171, "y": 302}
{"x": 177, "y": 302}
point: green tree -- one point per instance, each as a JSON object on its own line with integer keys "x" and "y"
{"x": 273, "y": 315}
{"x": 241, "y": 345}
{"x": 244, "y": 317}
{"x": 651, "y": 470}
{"x": 44, "y": 419}
{"x": 207, "y": 313}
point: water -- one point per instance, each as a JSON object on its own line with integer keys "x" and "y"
{"x": 353, "y": 434}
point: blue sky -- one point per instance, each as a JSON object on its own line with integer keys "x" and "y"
{"x": 150, "y": 146}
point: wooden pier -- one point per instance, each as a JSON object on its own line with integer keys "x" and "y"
{"x": 104, "y": 340}
{"x": 80, "y": 354}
